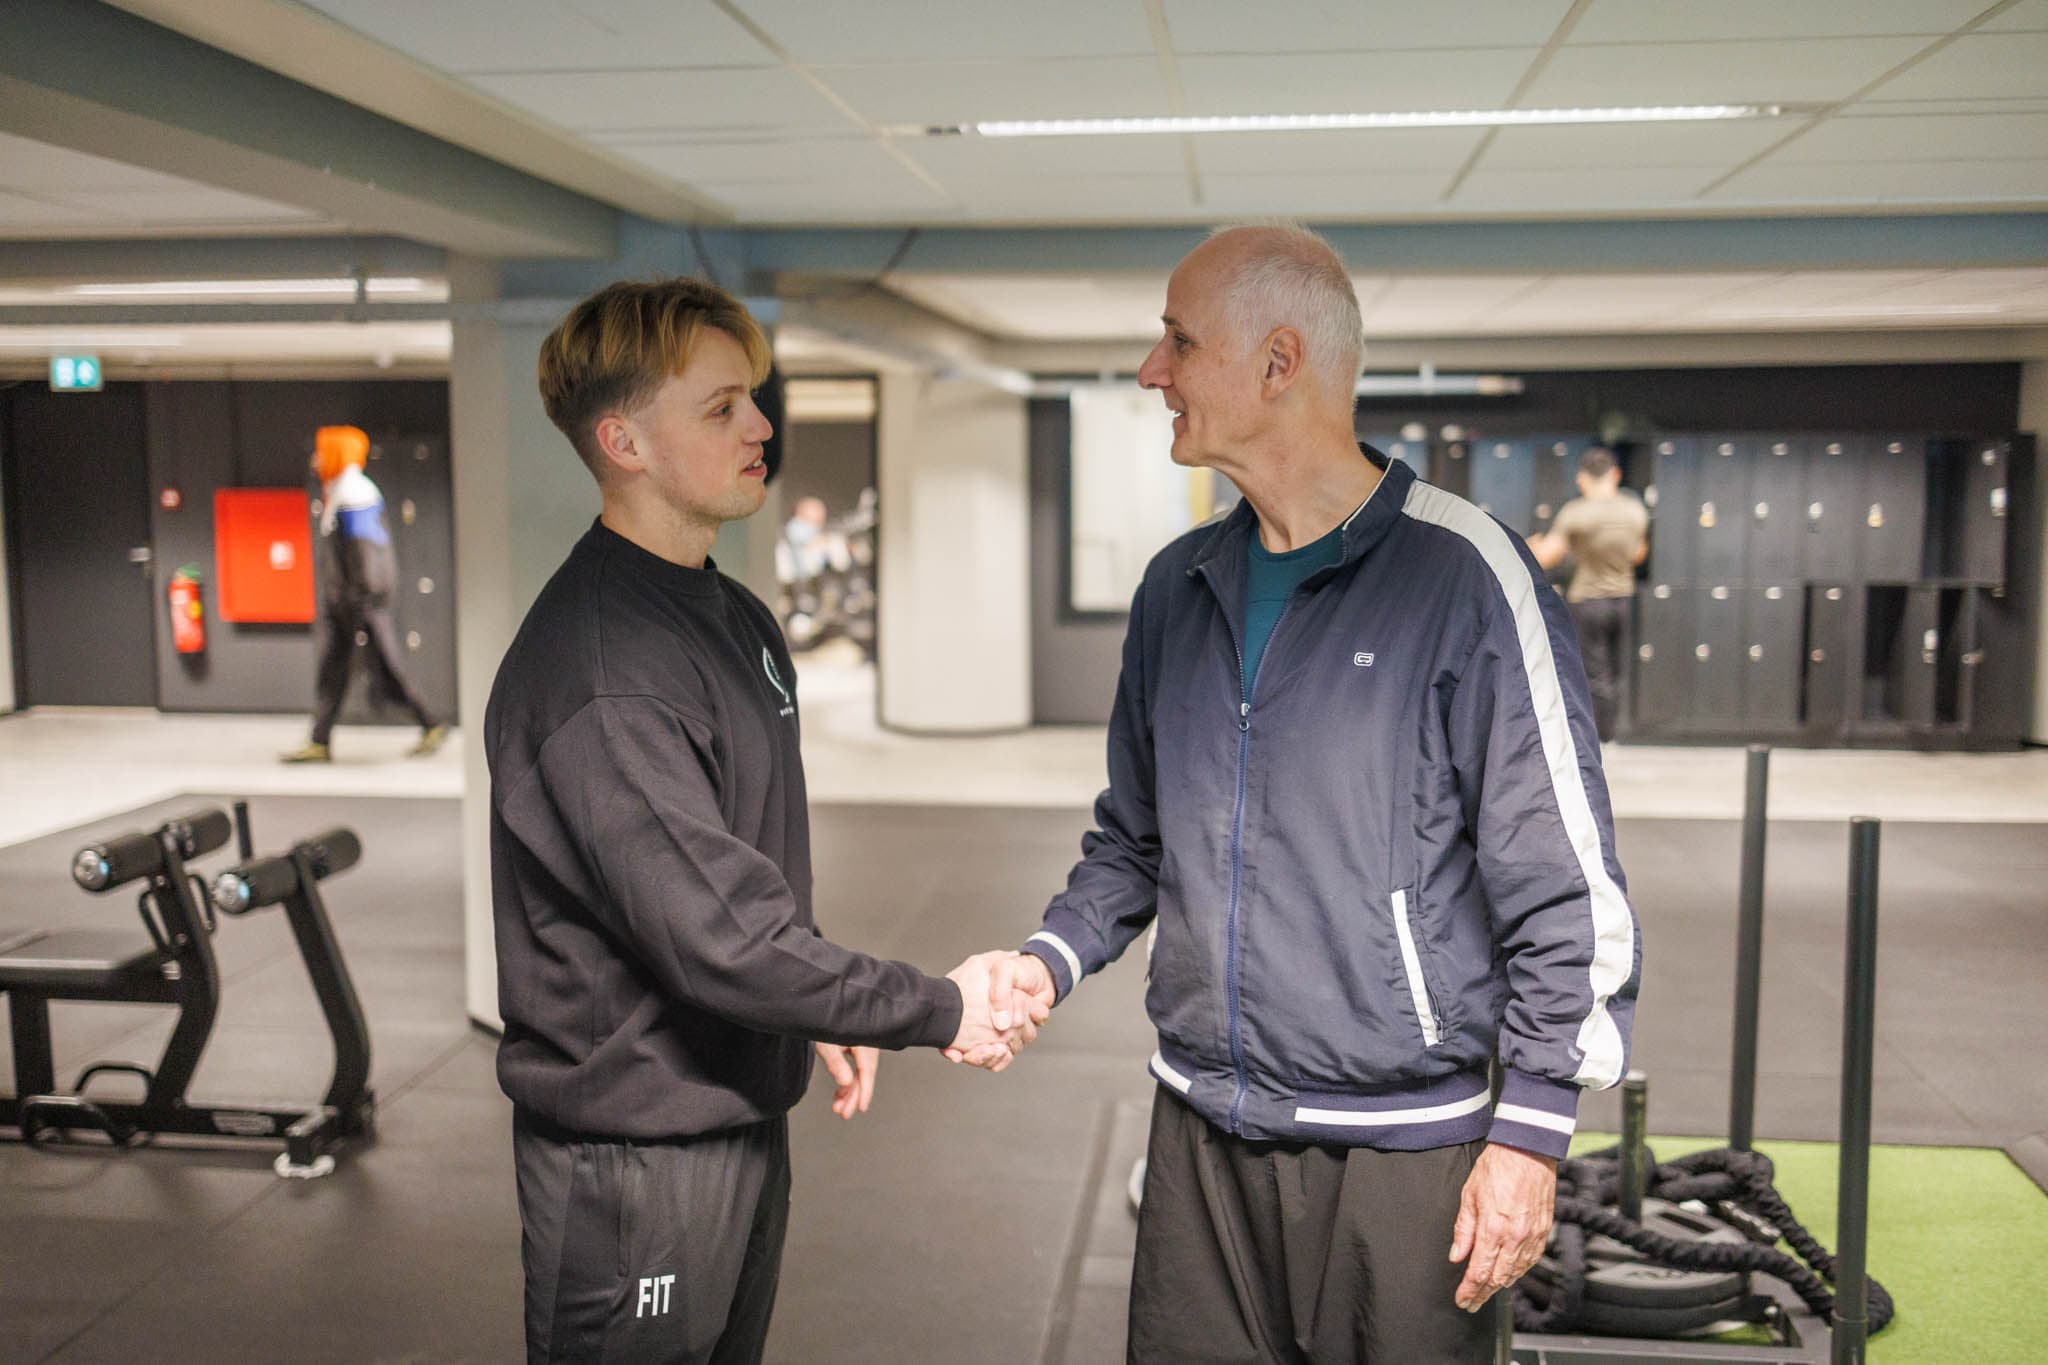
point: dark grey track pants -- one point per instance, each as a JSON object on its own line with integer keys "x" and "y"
{"x": 1262, "y": 1251}
{"x": 651, "y": 1252}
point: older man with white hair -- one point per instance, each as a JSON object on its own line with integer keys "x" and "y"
{"x": 1354, "y": 780}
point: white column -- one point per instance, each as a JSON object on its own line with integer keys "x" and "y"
{"x": 6, "y": 621}
{"x": 2034, "y": 418}
{"x": 954, "y": 621}
{"x": 522, "y": 498}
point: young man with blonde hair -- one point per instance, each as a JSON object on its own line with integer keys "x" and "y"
{"x": 660, "y": 976}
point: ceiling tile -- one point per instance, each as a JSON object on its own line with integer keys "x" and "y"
{"x": 1679, "y": 21}
{"x": 1813, "y": 289}
{"x": 1360, "y": 25}
{"x": 821, "y": 31}
{"x": 1982, "y": 66}
{"x": 1984, "y": 137}
{"x": 1336, "y": 152}
{"x": 973, "y": 92}
{"x": 895, "y": 198}
{"x": 2029, "y": 14}
{"x": 621, "y": 100}
{"x": 1441, "y": 299}
{"x": 1716, "y": 73}
{"x": 1588, "y": 188}
{"x": 1120, "y": 307}
{"x": 1324, "y": 196}
{"x": 737, "y": 161}
{"x": 1964, "y": 286}
{"x": 1353, "y": 83}
{"x": 553, "y": 35}
{"x": 15, "y": 208}
{"x": 1722, "y": 144}
{"x": 1053, "y": 199}
{"x": 1621, "y": 298}
{"x": 1903, "y": 182}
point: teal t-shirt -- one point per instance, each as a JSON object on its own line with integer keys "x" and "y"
{"x": 1269, "y": 580}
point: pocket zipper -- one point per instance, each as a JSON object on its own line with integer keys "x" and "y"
{"x": 1411, "y": 963}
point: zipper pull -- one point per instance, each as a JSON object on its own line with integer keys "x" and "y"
{"x": 1244, "y": 715}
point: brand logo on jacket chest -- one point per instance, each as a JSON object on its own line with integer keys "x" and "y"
{"x": 1362, "y": 660}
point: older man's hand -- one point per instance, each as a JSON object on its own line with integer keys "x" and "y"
{"x": 1503, "y": 1221}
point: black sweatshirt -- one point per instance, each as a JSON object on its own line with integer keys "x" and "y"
{"x": 658, "y": 971}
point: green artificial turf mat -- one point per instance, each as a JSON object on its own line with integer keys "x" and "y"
{"x": 1958, "y": 1235}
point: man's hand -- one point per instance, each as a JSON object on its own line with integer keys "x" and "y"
{"x": 981, "y": 1041}
{"x": 1503, "y": 1221}
{"x": 1019, "y": 973}
{"x": 853, "y": 1072}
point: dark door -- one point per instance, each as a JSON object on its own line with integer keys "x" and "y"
{"x": 1894, "y": 507}
{"x": 1453, "y": 468}
{"x": 412, "y": 473}
{"x": 1557, "y": 468}
{"x": 1717, "y": 659}
{"x": 1830, "y": 518}
{"x": 1776, "y": 481}
{"x": 1770, "y": 687}
{"x": 1917, "y": 656}
{"x": 1831, "y": 612}
{"x": 1504, "y": 482}
{"x": 1670, "y": 495}
{"x": 1722, "y": 514}
{"x": 1981, "y": 531}
{"x": 78, "y": 507}
{"x": 1663, "y": 675}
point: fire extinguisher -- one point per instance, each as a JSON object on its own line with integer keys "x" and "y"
{"x": 188, "y": 610}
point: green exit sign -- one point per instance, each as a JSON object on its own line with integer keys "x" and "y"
{"x": 75, "y": 373}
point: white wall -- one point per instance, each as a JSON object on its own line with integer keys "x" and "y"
{"x": 6, "y": 621}
{"x": 954, "y": 620}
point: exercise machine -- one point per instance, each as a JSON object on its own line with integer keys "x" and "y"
{"x": 175, "y": 965}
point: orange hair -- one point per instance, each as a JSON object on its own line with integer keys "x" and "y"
{"x": 339, "y": 448}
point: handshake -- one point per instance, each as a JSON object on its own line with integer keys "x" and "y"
{"x": 1004, "y": 996}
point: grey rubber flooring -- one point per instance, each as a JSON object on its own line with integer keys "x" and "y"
{"x": 968, "y": 1218}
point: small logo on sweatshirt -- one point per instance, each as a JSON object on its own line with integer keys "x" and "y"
{"x": 1362, "y": 660}
{"x": 775, "y": 681}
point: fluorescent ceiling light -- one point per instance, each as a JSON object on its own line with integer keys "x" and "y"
{"x": 162, "y": 289}
{"x": 1301, "y": 123}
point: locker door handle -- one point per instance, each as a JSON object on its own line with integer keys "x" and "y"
{"x": 1702, "y": 653}
{"x": 1974, "y": 657}
{"x": 1819, "y": 656}
{"x": 1756, "y": 653}
{"x": 1646, "y": 652}
{"x": 1998, "y": 502}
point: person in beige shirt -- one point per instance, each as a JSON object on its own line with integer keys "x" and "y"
{"x": 1603, "y": 530}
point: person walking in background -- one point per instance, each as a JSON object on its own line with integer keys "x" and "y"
{"x": 357, "y": 581}
{"x": 1602, "y": 529}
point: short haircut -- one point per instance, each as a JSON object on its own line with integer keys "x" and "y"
{"x": 617, "y": 346}
{"x": 1597, "y": 462}
{"x": 1287, "y": 276}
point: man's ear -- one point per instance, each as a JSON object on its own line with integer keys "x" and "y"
{"x": 615, "y": 442}
{"x": 1283, "y": 354}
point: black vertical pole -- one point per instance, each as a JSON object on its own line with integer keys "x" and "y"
{"x": 245, "y": 843}
{"x": 1859, "y": 1030}
{"x": 1749, "y": 952}
{"x": 1635, "y": 1144}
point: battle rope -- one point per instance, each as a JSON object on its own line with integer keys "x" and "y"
{"x": 1588, "y": 1188}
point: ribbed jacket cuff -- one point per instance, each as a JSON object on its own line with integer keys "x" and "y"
{"x": 1535, "y": 1114}
{"x": 1059, "y": 958}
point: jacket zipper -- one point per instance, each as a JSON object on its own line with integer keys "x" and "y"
{"x": 1244, "y": 742}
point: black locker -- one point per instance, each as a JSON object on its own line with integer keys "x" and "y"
{"x": 1922, "y": 653}
{"x": 1830, "y": 518}
{"x": 1776, "y": 482}
{"x": 1997, "y": 666}
{"x": 1452, "y": 466}
{"x": 1771, "y": 671}
{"x": 1718, "y": 658}
{"x": 1557, "y": 469}
{"x": 1831, "y": 615}
{"x": 1504, "y": 481}
{"x": 1980, "y": 531}
{"x": 1669, "y": 492}
{"x": 1721, "y": 513}
{"x": 1663, "y": 669}
{"x": 1893, "y": 508}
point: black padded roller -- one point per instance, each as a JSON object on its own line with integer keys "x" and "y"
{"x": 200, "y": 832}
{"x": 332, "y": 851}
{"x": 102, "y": 867}
{"x": 253, "y": 885}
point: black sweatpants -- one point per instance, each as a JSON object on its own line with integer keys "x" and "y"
{"x": 663, "y": 1252}
{"x": 1273, "y": 1252}
{"x": 1604, "y": 644}
{"x": 387, "y": 673}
